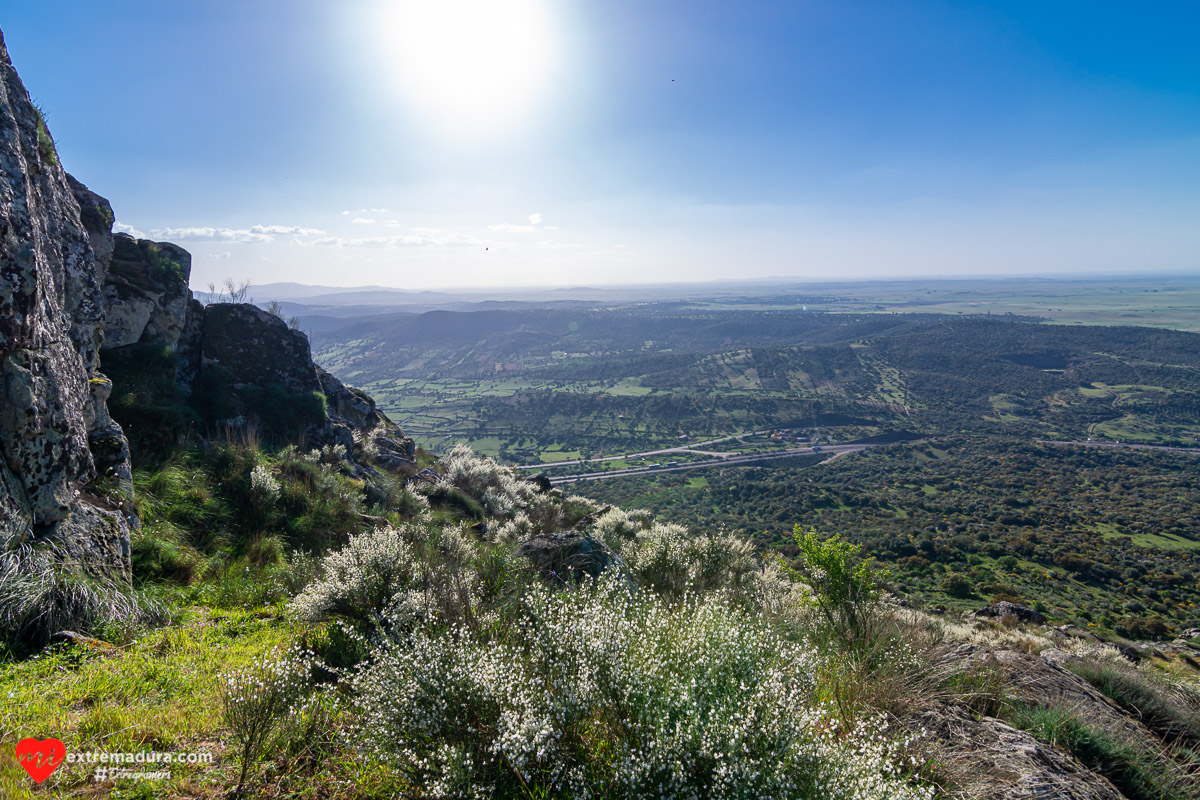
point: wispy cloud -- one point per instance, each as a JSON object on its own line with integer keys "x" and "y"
{"x": 121, "y": 227}
{"x": 287, "y": 229}
{"x": 362, "y": 211}
{"x": 224, "y": 255}
{"x": 255, "y": 233}
{"x": 418, "y": 237}
{"x": 535, "y": 224}
{"x": 363, "y": 221}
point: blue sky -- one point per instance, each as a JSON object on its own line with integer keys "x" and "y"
{"x": 561, "y": 142}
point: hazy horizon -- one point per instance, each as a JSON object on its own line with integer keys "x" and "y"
{"x": 536, "y": 144}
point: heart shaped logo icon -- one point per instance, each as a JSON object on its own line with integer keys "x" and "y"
{"x": 40, "y": 757}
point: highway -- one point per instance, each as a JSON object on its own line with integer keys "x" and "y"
{"x": 1129, "y": 445}
{"x": 685, "y": 448}
{"x": 731, "y": 459}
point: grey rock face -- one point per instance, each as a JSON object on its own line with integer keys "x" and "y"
{"x": 97, "y": 217}
{"x": 1006, "y": 609}
{"x": 994, "y": 761}
{"x": 351, "y": 411}
{"x": 50, "y": 335}
{"x": 146, "y": 296}
{"x": 190, "y": 345}
{"x": 257, "y": 348}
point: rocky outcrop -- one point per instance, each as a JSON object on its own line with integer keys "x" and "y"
{"x": 990, "y": 760}
{"x": 1005, "y": 609}
{"x": 256, "y": 348}
{"x": 146, "y": 296}
{"x": 1041, "y": 680}
{"x": 569, "y": 557}
{"x": 352, "y": 410}
{"x": 72, "y": 293}
{"x": 51, "y": 331}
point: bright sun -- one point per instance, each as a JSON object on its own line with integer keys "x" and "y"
{"x": 471, "y": 67}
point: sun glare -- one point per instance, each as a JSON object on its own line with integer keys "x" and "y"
{"x": 470, "y": 67}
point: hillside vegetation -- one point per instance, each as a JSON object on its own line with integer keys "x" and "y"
{"x": 424, "y": 650}
{"x": 539, "y": 384}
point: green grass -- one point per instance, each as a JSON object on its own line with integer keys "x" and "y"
{"x": 158, "y": 694}
{"x": 46, "y": 148}
{"x": 1139, "y": 775}
{"x": 1170, "y": 714}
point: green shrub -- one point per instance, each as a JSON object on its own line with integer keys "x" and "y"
{"x": 158, "y": 552}
{"x": 957, "y": 585}
{"x": 46, "y": 146}
{"x": 163, "y": 269}
{"x": 845, "y": 586}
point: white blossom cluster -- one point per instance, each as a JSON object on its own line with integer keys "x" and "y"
{"x": 500, "y": 491}
{"x": 507, "y": 496}
{"x": 671, "y": 560}
{"x": 263, "y": 486}
{"x": 361, "y": 579}
{"x": 271, "y": 679}
{"x": 601, "y": 692}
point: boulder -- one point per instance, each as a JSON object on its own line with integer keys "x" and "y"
{"x": 542, "y": 481}
{"x": 1017, "y": 611}
{"x": 146, "y": 295}
{"x": 569, "y": 557}
{"x": 256, "y": 348}
{"x": 991, "y": 760}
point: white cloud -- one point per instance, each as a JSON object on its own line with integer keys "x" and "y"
{"x": 535, "y": 220}
{"x": 363, "y": 221}
{"x": 418, "y": 237}
{"x": 286, "y": 229}
{"x": 121, "y": 227}
{"x": 226, "y": 254}
{"x": 255, "y": 233}
{"x": 206, "y": 234}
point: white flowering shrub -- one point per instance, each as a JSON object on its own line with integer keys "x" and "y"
{"x": 617, "y": 527}
{"x": 513, "y": 531}
{"x": 597, "y": 692}
{"x": 264, "y": 489}
{"x": 256, "y": 703}
{"x": 670, "y": 560}
{"x": 505, "y": 495}
{"x": 360, "y": 580}
{"x": 495, "y": 486}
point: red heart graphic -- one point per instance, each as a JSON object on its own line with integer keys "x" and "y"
{"x": 40, "y": 757}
